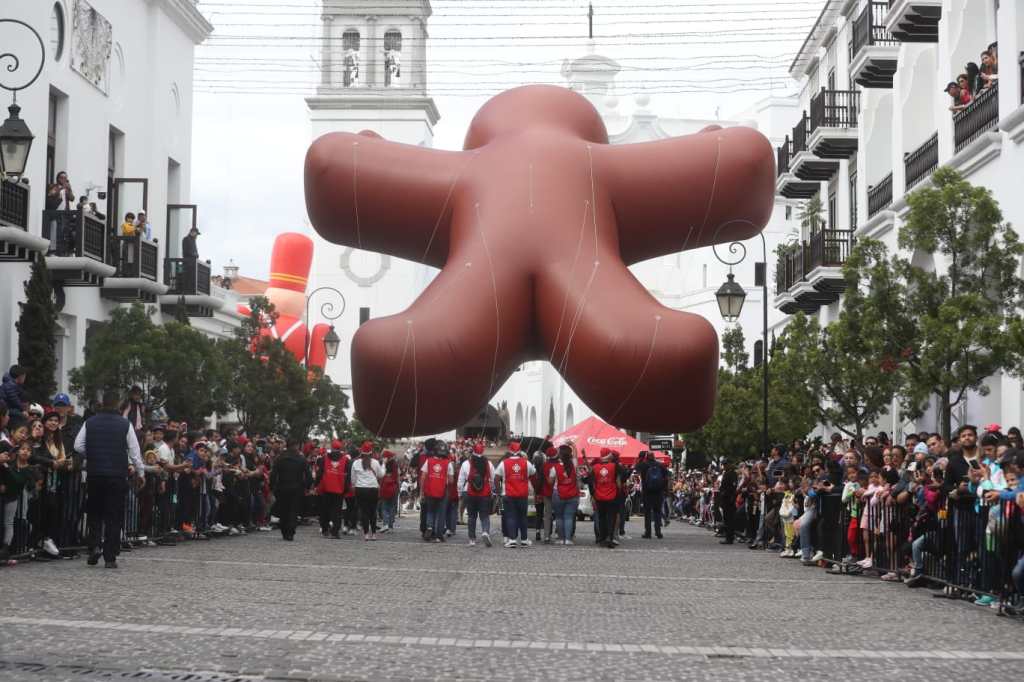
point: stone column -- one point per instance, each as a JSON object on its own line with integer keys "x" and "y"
{"x": 326, "y": 53}
{"x": 372, "y": 48}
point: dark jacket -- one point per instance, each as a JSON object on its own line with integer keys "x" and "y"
{"x": 106, "y": 445}
{"x": 290, "y": 474}
{"x": 13, "y": 394}
{"x": 189, "y": 248}
{"x": 956, "y": 473}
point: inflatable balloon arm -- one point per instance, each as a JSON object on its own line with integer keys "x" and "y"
{"x": 383, "y": 196}
{"x": 317, "y": 352}
{"x": 686, "y": 192}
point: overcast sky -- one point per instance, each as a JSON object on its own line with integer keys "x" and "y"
{"x": 251, "y": 127}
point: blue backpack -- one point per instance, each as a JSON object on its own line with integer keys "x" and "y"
{"x": 655, "y": 477}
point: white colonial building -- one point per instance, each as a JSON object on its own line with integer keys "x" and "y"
{"x": 112, "y": 108}
{"x": 873, "y": 122}
{"x": 357, "y": 93}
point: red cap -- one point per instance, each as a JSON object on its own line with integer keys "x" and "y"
{"x": 513, "y": 446}
{"x": 366, "y": 448}
{"x": 387, "y": 454}
{"x": 605, "y": 452}
{"x": 290, "y": 261}
{"x": 336, "y": 444}
{"x": 242, "y": 440}
{"x": 551, "y": 451}
{"x": 307, "y": 448}
{"x": 478, "y": 448}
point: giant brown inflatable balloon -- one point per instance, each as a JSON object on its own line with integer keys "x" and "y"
{"x": 533, "y": 226}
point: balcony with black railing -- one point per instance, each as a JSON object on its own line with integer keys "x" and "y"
{"x": 919, "y": 163}
{"x": 137, "y": 275}
{"x": 880, "y": 195}
{"x": 78, "y": 247}
{"x": 832, "y": 132}
{"x": 188, "y": 285}
{"x": 979, "y": 117}
{"x": 873, "y": 50}
{"x": 803, "y": 163}
{"x": 808, "y": 275}
{"x": 914, "y": 21}
{"x": 786, "y": 183}
{"x": 17, "y": 244}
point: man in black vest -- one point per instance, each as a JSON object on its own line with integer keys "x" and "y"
{"x": 289, "y": 479}
{"x": 107, "y": 440}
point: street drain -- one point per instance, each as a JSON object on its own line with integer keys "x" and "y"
{"x": 89, "y": 672}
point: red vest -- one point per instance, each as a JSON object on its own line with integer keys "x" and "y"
{"x": 389, "y": 484}
{"x": 517, "y": 474}
{"x": 435, "y": 480}
{"x": 606, "y": 485}
{"x": 568, "y": 487}
{"x": 333, "y": 479}
{"x": 545, "y": 486}
{"x": 486, "y": 490}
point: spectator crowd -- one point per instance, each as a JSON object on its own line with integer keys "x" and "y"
{"x": 975, "y": 79}
{"x": 925, "y": 512}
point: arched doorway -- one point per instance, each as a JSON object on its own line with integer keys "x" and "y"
{"x": 519, "y": 422}
{"x": 533, "y": 421}
{"x": 570, "y": 417}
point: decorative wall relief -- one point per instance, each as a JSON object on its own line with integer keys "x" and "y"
{"x": 91, "y": 45}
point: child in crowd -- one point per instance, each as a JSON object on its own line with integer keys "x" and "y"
{"x": 787, "y": 514}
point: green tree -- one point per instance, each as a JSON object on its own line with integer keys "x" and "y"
{"x": 37, "y": 335}
{"x": 810, "y": 215}
{"x": 734, "y": 349}
{"x": 116, "y": 355}
{"x": 270, "y": 391}
{"x": 963, "y": 316}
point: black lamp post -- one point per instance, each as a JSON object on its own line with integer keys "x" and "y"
{"x": 327, "y": 310}
{"x": 15, "y": 137}
{"x": 730, "y": 302}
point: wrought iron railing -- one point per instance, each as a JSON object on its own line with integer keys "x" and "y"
{"x": 187, "y": 276}
{"x": 922, "y": 161}
{"x": 834, "y": 109}
{"x": 75, "y": 234}
{"x": 869, "y": 28}
{"x": 134, "y": 257}
{"x": 14, "y": 204}
{"x": 979, "y": 117}
{"x": 782, "y": 155}
{"x": 800, "y": 133}
{"x": 825, "y": 248}
{"x": 880, "y": 195}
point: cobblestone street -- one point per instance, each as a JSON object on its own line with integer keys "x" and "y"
{"x": 683, "y": 608}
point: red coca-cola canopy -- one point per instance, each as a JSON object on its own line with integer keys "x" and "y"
{"x": 592, "y": 435}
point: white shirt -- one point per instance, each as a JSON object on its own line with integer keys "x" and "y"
{"x": 134, "y": 456}
{"x": 362, "y": 478}
{"x": 164, "y": 452}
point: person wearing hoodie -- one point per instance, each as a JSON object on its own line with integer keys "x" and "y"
{"x": 476, "y": 478}
{"x": 12, "y": 391}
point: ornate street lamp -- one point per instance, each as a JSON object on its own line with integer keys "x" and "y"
{"x": 331, "y": 343}
{"x": 730, "y": 298}
{"x": 15, "y": 137}
{"x": 331, "y": 311}
{"x": 730, "y": 302}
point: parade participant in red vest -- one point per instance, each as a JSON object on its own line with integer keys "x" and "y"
{"x": 331, "y": 478}
{"x": 515, "y": 471}
{"x": 605, "y": 477}
{"x": 476, "y": 477}
{"x": 547, "y": 489}
{"x": 389, "y": 491}
{"x": 435, "y": 473}
{"x": 565, "y": 498}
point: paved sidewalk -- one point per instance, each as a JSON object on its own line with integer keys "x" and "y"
{"x": 258, "y": 608}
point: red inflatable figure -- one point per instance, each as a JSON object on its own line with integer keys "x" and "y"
{"x": 533, "y": 227}
{"x": 289, "y": 272}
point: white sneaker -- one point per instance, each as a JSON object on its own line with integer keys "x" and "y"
{"x": 472, "y": 543}
{"x": 509, "y": 543}
{"x": 263, "y": 529}
{"x": 568, "y": 542}
{"x": 232, "y": 531}
{"x": 525, "y": 543}
{"x": 274, "y": 519}
{"x": 50, "y": 548}
{"x": 784, "y": 553}
{"x": 624, "y": 537}
{"x": 818, "y": 556}
{"x": 486, "y": 537}
{"x": 866, "y": 563}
